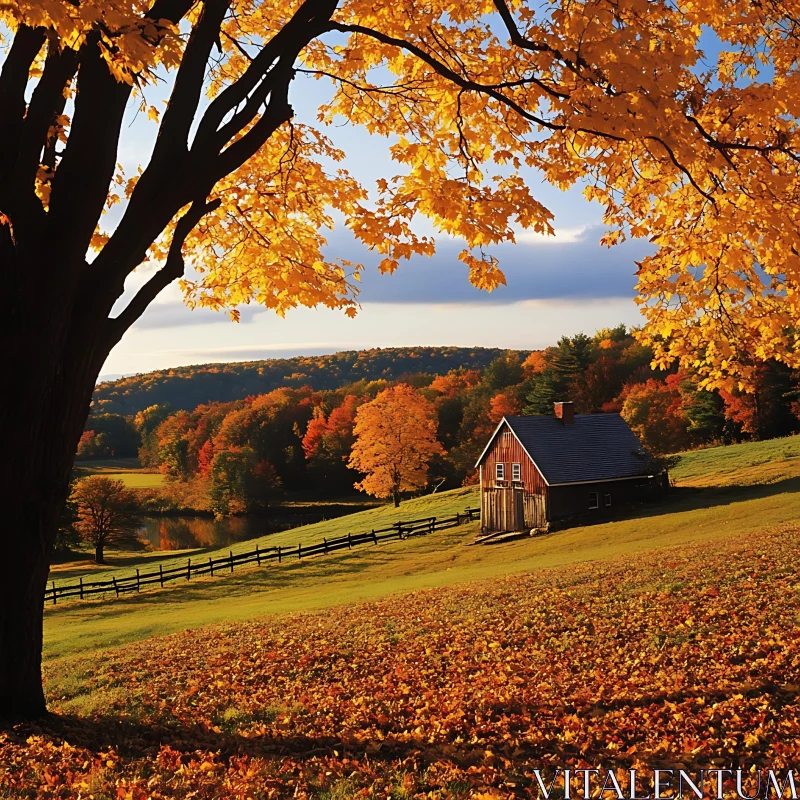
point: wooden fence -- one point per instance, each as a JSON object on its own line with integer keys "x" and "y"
{"x": 225, "y": 565}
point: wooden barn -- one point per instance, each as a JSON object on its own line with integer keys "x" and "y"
{"x": 537, "y": 470}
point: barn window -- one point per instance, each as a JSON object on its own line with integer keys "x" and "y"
{"x": 500, "y": 471}
{"x": 594, "y": 500}
{"x": 516, "y": 472}
{"x": 608, "y": 500}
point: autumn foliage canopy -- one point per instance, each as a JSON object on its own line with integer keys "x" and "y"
{"x": 697, "y": 153}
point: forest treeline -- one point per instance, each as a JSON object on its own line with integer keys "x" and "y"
{"x": 188, "y": 387}
{"x": 239, "y": 455}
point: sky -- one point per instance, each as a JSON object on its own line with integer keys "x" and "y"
{"x": 557, "y": 286}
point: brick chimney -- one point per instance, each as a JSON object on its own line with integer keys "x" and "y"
{"x": 565, "y": 412}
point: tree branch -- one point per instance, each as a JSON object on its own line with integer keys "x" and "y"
{"x": 13, "y": 82}
{"x": 80, "y": 185}
{"x": 445, "y": 71}
{"x": 310, "y": 20}
{"x": 173, "y": 134}
{"x": 81, "y": 182}
{"x": 172, "y": 270}
{"x": 277, "y": 112}
{"x": 47, "y": 102}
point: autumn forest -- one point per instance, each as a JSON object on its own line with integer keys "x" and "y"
{"x": 243, "y": 454}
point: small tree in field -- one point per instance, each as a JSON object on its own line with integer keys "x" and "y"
{"x": 395, "y": 442}
{"x": 108, "y": 514}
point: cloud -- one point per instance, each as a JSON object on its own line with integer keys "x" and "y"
{"x": 176, "y": 314}
{"x": 572, "y": 265}
{"x": 562, "y": 236}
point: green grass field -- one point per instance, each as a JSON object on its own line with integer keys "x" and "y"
{"x": 444, "y": 504}
{"x": 693, "y": 513}
{"x": 126, "y": 470}
{"x": 740, "y": 464}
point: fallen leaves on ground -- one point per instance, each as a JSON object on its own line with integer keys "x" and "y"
{"x": 686, "y": 657}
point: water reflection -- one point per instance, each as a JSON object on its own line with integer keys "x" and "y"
{"x": 179, "y": 533}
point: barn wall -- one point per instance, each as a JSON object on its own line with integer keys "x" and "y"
{"x": 510, "y": 506}
{"x": 569, "y": 501}
{"x": 508, "y": 450}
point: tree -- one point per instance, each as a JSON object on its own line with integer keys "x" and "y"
{"x": 108, "y": 514}
{"x": 502, "y": 405}
{"x": 395, "y": 441}
{"x": 703, "y": 162}
{"x": 146, "y": 422}
{"x": 654, "y": 412}
{"x": 506, "y": 370}
{"x": 564, "y": 367}
{"x": 240, "y": 483}
{"x": 327, "y": 444}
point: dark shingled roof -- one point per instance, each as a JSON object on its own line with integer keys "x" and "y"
{"x": 595, "y": 447}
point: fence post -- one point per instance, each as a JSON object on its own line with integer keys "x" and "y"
{"x": 114, "y": 581}
{"x": 433, "y": 525}
{"x": 231, "y": 554}
{"x": 299, "y": 551}
{"x": 211, "y": 566}
{"x": 161, "y": 575}
{"x": 374, "y": 537}
{"x": 54, "y": 592}
{"x": 137, "y": 580}
{"x": 188, "y": 569}
{"x": 349, "y": 541}
{"x": 325, "y": 540}
{"x": 81, "y": 583}
{"x": 279, "y": 554}
{"x": 258, "y": 556}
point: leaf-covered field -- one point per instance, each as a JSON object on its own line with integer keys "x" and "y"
{"x": 685, "y": 656}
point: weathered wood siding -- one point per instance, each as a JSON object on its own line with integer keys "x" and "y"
{"x": 502, "y": 509}
{"x": 510, "y": 505}
{"x": 507, "y": 450}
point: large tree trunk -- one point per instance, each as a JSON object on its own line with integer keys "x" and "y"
{"x": 98, "y": 552}
{"x": 51, "y": 364}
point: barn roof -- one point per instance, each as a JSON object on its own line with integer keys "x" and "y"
{"x": 595, "y": 447}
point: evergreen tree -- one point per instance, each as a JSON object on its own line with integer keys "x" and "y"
{"x": 543, "y": 393}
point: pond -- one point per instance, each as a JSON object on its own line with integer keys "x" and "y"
{"x": 180, "y": 533}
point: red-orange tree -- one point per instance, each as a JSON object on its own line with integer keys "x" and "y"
{"x": 702, "y": 158}
{"x": 108, "y": 514}
{"x": 395, "y": 442}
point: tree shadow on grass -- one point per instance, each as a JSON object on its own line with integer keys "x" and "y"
{"x": 681, "y": 499}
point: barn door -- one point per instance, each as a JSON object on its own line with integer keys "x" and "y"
{"x": 535, "y": 511}
{"x": 517, "y": 519}
{"x": 502, "y": 509}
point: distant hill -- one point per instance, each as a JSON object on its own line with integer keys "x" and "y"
{"x": 187, "y": 387}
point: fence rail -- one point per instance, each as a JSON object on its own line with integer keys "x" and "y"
{"x": 135, "y": 583}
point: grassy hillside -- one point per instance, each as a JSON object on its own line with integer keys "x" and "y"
{"x": 691, "y": 514}
{"x": 741, "y": 464}
{"x": 683, "y": 656}
{"x": 188, "y": 387}
{"x": 429, "y": 667}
